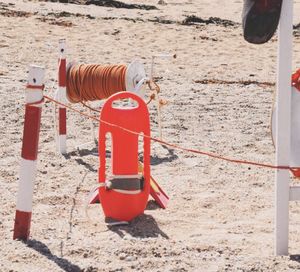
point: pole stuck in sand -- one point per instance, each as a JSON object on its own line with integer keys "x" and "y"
{"x": 61, "y": 96}
{"x": 33, "y": 110}
{"x": 283, "y": 128}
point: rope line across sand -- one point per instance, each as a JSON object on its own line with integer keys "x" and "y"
{"x": 190, "y": 150}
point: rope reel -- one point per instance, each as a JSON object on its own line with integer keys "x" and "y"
{"x": 94, "y": 82}
{"x": 90, "y": 82}
{"x": 84, "y": 83}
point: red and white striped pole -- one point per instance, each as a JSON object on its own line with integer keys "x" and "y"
{"x": 62, "y": 97}
{"x": 33, "y": 110}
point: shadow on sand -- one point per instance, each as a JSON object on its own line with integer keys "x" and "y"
{"x": 152, "y": 205}
{"x": 82, "y": 152}
{"x": 143, "y": 226}
{"x": 295, "y": 258}
{"x": 63, "y": 263}
{"x": 85, "y": 152}
{"x": 155, "y": 160}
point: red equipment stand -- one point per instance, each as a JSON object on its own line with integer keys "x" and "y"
{"x": 158, "y": 194}
{"x": 156, "y": 191}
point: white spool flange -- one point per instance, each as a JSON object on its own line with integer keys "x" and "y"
{"x": 69, "y": 66}
{"x": 295, "y": 127}
{"x": 135, "y": 77}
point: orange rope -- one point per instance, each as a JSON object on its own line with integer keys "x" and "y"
{"x": 89, "y": 82}
{"x": 215, "y": 156}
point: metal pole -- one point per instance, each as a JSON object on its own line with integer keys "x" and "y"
{"x": 283, "y": 128}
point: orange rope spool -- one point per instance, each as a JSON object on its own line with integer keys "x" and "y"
{"x": 90, "y": 82}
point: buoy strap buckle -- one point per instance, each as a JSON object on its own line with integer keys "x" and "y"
{"x": 125, "y": 183}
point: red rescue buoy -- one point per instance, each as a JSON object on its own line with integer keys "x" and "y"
{"x": 124, "y": 195}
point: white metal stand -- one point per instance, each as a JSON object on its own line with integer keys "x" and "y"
{"x": 283, "y": 129}
{"x": 162, "y": 56}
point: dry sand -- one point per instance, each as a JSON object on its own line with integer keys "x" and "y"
{"x": 221, "y": 215}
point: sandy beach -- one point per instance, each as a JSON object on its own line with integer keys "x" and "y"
{"x": 220, "y": 92}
